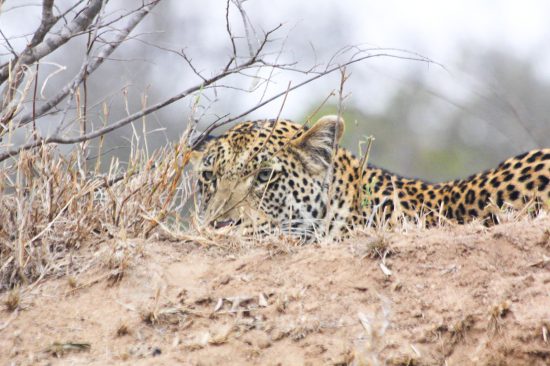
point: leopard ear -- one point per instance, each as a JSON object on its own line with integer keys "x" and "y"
{"x": 316, "y": 145}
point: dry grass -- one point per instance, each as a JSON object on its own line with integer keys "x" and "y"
{"x": 59, "y": 349}
{"x": 13, "y": 299}
{"x": 51, "y": 205}
{"x": 123, "y": 330}
{"x": 496, "y": 315}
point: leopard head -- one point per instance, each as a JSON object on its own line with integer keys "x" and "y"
{"x": 269, "y": 175}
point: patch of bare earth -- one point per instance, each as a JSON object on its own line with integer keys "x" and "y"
{"x": 448, "y": 296}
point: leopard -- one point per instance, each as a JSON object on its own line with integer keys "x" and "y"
{"x": 277, "y": 175}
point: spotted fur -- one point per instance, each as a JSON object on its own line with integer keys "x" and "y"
{"x": 271, "y": 175}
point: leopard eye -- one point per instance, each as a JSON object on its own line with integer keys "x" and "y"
{"x": 265, "y": 175}
{"x": 207, "y": 175}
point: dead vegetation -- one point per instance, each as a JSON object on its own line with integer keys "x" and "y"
{"x": 51, "y": 206}
{"x": 59, "y": 349}
{"x": 496, "y": 316}
{"x": 13, "y": 299}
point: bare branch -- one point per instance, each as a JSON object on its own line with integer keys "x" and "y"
{"x": 54, "y": 41}
{"x": 318, "y": 75}
{"x": 88, "y": 68}
{"x": 264, "y": 41}
{"x": 48, "y": 20}
{"x": 246, "y": 24}
{"x": 8, "y": 44}
{"x": 190, "y": 64}
{"x": 231, "y": 37}
{"x": 123, "y": 122}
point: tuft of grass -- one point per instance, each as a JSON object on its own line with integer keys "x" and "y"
{"x": 496, "y": 314}
{"x": 13, "y": 300}
{"x": 72, "y": 282}
{"x": 122, "y": 330}
{"x": 459, "y": 329}
{"x": 52, "y": 205}
{"x": 119, "y": 257}
{"x": 545, "y": 240}
{"x": 166, "y": 314}
{"x": 378, "y": 247}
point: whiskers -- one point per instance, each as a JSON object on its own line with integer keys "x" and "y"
{"x": 306, "y": 229}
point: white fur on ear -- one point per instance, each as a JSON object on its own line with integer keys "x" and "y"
{"x": 316, "y": 144}
{"x": 332, "y": 119}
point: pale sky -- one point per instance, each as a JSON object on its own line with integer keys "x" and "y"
{"x": 440, "y": 30}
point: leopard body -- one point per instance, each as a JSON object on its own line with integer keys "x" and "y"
{"x": 270, "y": 175}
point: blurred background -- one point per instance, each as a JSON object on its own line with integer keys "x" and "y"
{"x": 485, "y": 96}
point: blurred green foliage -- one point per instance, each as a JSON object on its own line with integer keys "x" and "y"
{"x": 427, "y": 134}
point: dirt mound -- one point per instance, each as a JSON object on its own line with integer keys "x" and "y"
{"x": 447, "y": 296}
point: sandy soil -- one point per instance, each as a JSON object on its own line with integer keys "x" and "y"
{"x": 448, "y": 296}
